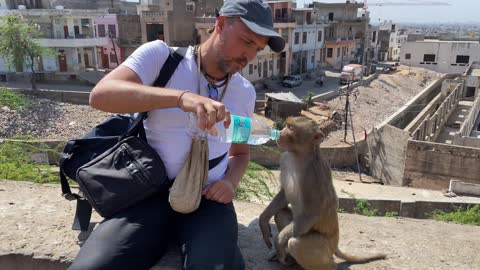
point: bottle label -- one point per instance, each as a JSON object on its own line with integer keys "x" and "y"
{"x": 241, "y": 129}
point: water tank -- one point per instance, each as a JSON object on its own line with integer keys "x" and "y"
{"x": 58, "y": 7}
{"x": 22, "y": 7}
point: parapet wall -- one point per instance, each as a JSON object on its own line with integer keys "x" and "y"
{"x": 447, "y": 161}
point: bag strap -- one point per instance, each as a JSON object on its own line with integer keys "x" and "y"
{"x": 83, "y": 211}
{"x": 168, "y": 68}
{"x": 212, "y": 163}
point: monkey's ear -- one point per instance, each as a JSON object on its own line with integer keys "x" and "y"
{"x": 319, "y": 136}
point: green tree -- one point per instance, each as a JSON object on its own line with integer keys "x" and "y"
{"x": 18, "y": 44}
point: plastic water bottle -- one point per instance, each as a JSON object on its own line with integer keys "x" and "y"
{"x": 241, "y": 130}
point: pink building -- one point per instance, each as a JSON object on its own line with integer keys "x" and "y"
{"x": 107, "y": 26}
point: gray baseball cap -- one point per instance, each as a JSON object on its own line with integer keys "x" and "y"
{"x": 257, "y": 16}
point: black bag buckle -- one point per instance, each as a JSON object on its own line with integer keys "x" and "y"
{"x": 71, "y": 196}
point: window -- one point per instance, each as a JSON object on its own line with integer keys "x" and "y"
{"x": 112, "y": 30}
{"x": 338, "y": 52}
{"x": 250, "y": 69}
{"x": 329, "y": 52}
{"x": 463, "y": 59}
{"x": 190, "y": 7}
{"x": 313, "y": 58}
{"x": 297, "y": 37}
{"x": 429, "y": 57}
{"x": 304, "y": 37}
{"x": 408, "y": 56}
{"x": 374, "y": 37}
{"x": 270, "y": 65}
{"x": 85, "y": 22}
{"x": 101, "y": 30}
{"x": 330, "y": 16}
{"x": 319, "y": 36}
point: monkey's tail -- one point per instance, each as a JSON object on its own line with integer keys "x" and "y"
{"x": 358, "y": 259}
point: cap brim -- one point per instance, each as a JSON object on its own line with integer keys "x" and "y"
{"x": 275, "y": 41}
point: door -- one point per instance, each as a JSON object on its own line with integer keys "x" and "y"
{"x": 87, "y": 62}
{"x": 105, "y": 62}
{"x": 65, "y": 31}
{"x": 62, "y": 61}
{"x": 265, "y": 69}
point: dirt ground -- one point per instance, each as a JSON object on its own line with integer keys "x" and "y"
{"x": 408, "y": 243}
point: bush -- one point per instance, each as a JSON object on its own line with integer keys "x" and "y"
{"x": 16, "y": 163}
{"x": 471, "y": 215}
{"x": 13, "y": 100}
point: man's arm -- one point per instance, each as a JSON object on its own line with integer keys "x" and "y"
{"x": 122, "y": 91}
{"x": 223, "y": 191}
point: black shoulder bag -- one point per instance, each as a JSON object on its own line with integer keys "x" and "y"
{"x": 113, "y": 164}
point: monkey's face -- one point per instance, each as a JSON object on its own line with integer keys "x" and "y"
{"x": 298, "y": 134}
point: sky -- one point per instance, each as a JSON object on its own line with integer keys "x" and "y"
{"x": 460, "y": 11}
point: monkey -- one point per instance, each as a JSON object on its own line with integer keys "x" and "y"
{"x": 305, "y": 208}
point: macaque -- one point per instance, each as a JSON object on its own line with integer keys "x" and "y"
{"x": 308, "y": 228}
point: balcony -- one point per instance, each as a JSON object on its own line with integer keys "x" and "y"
{"x": 283, "y": 19}
{"x": 73, "y": 42}
{"x": 348, "y": 20}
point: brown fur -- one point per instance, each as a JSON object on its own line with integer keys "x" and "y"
{"x": 308, "y": 229}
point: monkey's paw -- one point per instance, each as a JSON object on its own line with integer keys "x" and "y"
{"x": 286, "y": 260}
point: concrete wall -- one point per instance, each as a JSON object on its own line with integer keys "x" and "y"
{"x": 404, "y": 116}
{"x": 445, "y": 54}
{"x": 432, "y": 125}
{"x": 387, "y": 154}
{"x": 448, "y": 161}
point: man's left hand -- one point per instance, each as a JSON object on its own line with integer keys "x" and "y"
{"x": 221, "y": 191}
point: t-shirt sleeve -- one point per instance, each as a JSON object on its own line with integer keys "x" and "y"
{"x": 147, "y": 60}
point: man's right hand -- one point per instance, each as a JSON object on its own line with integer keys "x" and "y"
{"x": 208, "y": 111}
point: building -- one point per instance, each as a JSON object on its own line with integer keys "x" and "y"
{"x": 68, "y": 31}
{"x": 69, "y": 28}
{"x": 124, "y": 36}
{"x": 346, "y": 33}
{"x": 174, "y": 21}
{"x": 388, "y": 40}
{"x": 307, "y": 42}
{"x": 446, "y": 56}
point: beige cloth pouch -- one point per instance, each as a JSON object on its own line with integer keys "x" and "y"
{"x": 186, "y": 191}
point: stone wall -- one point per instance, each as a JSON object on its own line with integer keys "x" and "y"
{"x": 446, "y": 161}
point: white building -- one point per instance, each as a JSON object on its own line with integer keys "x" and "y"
{"x": 444, "y": 56}
{"x": 70, "y": 32}
{"x": 307, "y": 41}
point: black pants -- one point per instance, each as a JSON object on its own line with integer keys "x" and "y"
{"x": 137, "y": 238}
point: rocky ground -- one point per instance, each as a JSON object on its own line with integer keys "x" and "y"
{"x": 373, "y": 104}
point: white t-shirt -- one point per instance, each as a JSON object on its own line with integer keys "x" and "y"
{"x": 166, "y": 128}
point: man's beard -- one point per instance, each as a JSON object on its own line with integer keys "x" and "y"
{"x": 231, "y": 66}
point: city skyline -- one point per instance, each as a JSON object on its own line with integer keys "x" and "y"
{"x": 459, "y": 11}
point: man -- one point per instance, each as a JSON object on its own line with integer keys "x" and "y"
{"x": 138, "y": 237}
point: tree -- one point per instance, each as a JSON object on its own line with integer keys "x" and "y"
{"x": 18, "y": 45}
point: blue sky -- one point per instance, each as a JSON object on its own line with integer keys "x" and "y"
{"x": 459, "y": 11}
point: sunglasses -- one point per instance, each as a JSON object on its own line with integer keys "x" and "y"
{"x": 212, "y": 92}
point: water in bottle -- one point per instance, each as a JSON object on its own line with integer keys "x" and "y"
{"x": 241, "y": 130}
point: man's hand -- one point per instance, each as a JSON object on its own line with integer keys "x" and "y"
{"x": 221, "y": 191}
{"x": 208, "y": 111}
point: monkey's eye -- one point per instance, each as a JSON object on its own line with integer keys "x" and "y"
{"x": 290, "y": 127}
